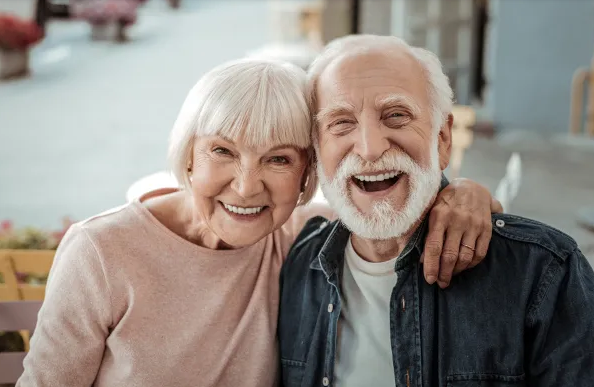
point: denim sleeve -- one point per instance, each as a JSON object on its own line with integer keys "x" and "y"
{"x": 560, "y": 325}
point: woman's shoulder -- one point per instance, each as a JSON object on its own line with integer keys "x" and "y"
{"x": 115, "y": 231}
{"x": 117, "y": 219}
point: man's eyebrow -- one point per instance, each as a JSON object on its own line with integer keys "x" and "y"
{"x": 398, "y": 99}
{"x": 333, "y": 110}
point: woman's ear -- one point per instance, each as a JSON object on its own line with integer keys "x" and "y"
{"x": 304, "y": 179}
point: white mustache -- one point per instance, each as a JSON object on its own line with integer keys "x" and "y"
{"x": 353, "y": 165}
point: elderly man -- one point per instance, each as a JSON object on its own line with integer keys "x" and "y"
{"x": 355, "y": 309}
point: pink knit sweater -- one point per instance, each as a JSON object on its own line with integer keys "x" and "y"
{"x": 130, "y": 303}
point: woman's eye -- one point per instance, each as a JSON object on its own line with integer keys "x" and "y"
{"x": 279, "y": 160}
{"x": 221, "y": 151}
{"x": 396, "y": 115}
{"x": 340, "y": 122}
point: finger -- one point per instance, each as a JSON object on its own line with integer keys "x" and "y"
{"x": 496, "y": 207}
{"x": 467, "y": 249}
{"x": 482, "y": 245}
{"x": 433, "y": 246}
{"x": 449, "y": 256}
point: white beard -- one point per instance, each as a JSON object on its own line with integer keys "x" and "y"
{"x": 384, "y": 221}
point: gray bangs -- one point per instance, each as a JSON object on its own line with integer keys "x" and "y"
{"x": 262, "y": 104}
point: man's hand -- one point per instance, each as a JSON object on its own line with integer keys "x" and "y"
{"x": 462, "y": 216}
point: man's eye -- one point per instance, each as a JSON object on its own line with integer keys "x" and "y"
{"x": 221, "y": 151}
{"x": 396, "y": 115}
{"x": 279, "y": 160}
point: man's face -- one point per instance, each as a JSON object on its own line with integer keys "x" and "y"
{"x": 380, "y": 160}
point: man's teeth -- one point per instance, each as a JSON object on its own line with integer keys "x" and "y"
{"x": 243, "y": 210}
{"x": 380, "y": 177}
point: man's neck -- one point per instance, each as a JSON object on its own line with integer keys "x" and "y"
{"x": 373, "y": 250}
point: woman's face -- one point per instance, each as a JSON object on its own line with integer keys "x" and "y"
{"x": 244, "y": 194}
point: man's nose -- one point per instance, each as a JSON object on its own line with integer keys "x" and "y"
{"x": 248, "y": 183}
{"x": 372, "y": 143}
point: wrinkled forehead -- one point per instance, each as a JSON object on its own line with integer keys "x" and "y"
{"x": 363, "y": 78}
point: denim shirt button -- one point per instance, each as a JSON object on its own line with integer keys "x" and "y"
{"x": 330, "y": 308}
{"x": 326, "y": 381}
{"x": 499, "y": 223}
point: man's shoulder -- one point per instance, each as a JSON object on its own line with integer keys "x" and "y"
{"x": 310, "y": 241}
{"x": 516, "y": 230}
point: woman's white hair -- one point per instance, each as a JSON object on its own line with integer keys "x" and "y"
{"x": 256, "y": 101}
{"x": 440, "y": 91}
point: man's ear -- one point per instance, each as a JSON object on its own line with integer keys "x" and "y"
{"x": 444, "y": 142}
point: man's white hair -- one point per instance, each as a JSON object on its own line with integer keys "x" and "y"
{"x": 255, "y": 101}
{"x": 439, "y": 89}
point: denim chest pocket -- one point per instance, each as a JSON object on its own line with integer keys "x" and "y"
{"x": 486, "y": 380}
{"x": 292, "y": 372}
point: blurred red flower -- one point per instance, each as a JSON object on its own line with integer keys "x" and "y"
{"x": 5, "y": 226}
{"x": 104, "y": 11}
{"x": 18, "y": 34}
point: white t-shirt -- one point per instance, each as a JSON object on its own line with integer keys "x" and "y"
{"x": 364, "y": 349}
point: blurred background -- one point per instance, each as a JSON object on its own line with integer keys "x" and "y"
{"x": 90, "y": 90}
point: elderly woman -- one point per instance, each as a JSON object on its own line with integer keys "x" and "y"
{"x": 182, "y": 288}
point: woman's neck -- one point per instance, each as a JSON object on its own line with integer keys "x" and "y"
{"x": 177, "y": 212}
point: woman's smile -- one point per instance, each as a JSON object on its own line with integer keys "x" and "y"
{"x": 244, "y": 213}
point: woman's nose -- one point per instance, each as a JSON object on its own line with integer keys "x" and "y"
{"x": 248, "y": 183}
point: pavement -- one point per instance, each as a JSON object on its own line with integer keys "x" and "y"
{"x": 557, "y": 183}
{"x": 95, "y": 117}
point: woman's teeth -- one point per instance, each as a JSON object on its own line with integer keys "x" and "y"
{"x": 243, "y": 210}
{"x": 380, "y": 177}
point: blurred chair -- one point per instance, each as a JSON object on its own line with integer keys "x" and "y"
{"x": 508, "y": 187}
{"x": 16, "y": 316}
{"x": 581, "y": 78}
{"x": 156, "y": 182}
{"x": 462, "y": 136}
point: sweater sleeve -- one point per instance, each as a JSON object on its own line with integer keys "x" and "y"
{"x": 69, "y": 340}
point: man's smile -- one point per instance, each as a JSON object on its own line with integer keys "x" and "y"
{"x": 379, "y": 181}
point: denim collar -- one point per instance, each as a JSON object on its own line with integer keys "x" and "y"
{"x": 331, "y": 255}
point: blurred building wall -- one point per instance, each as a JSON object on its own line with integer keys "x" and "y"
{"x": 533, "y": 49}
{"x": 375, "y": 17}
{"x": 337, "y": 19}
{"x": 527, "y": 56}
{"x": 529, "y": 52}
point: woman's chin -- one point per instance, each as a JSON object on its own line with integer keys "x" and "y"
{"x": 238, "y": 241}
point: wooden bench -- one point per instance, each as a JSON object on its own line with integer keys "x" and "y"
{"x": 16, "y": 316}
{"x": 30, "y": 262}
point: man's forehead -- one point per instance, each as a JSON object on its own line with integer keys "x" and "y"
{"x": 366, "y": 64}
{"x": 373, "y": 75}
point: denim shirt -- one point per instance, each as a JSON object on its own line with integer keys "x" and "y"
{"x": 523, "y": 317}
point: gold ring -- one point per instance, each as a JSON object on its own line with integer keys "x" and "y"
{"x": 462, "y": 244}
